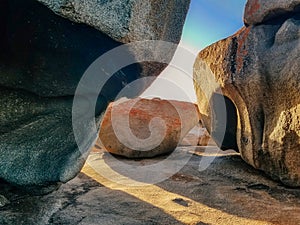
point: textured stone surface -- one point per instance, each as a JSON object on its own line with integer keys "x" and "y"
{"x": 141, "y": 128}
{"x": 42, "y": 58}
{"x": 46, "y": 54}
{"x": 259, "y": 11}
{"x": 198, "y": 136}
{"x": 228, "y": 192}
{"x": 31, "y": 144}
{"x": 257, "y": 70}
{"x": 127, "y": 21}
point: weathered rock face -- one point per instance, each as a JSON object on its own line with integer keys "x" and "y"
{"x": 260, "y": 11}
{"x": 42, "y": 59}
{"x": 127, "y": 21}
{"x": 141, "y": 128}
{"x": 257, "y": 70}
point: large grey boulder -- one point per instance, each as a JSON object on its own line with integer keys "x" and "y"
{"x": 127, "y": 21}
{"x": 258, "y": 71}
{"x": 42, "y": 58}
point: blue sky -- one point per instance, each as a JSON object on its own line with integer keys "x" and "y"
{"x": 207, "y": 22}
{"x": 211, "y": 20}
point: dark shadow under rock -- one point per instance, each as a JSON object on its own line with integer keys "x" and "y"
{"x": 80, "y": 201}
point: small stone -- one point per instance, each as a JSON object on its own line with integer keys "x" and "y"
{"x": 198, "y": 136}
{"x": 3, "y": 201}
{"x": 181, "y": 201}
{"x": 203, "y": 138}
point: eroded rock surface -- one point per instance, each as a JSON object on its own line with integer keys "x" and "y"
{"x": 257, "y": 70}
{"x": 141, "y": 128}
{"x": 127, "y": 21}
{"x": 259, "y": 11}
{"x": 43, "y": 56}
{"x": 228, "y": 192}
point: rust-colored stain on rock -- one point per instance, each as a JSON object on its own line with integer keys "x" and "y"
{"x": 242, "y": 49}
{"x": 178, "y": 117}
{"x": 253, "y": 8}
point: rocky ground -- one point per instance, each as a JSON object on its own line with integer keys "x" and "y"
{"x": 227, "y": 192}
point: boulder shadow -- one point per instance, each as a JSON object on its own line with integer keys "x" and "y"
{"x": 80, "y": 201}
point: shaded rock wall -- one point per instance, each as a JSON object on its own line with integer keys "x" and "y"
{"x": 42, "y": 59}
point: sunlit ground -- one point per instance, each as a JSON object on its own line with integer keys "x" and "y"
{"x": 217, "y": 195}
{"x": 164, "y": 200}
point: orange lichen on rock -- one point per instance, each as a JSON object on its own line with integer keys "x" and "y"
{"x": 253, "y": 7}
{"x": 141, "y": 128}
